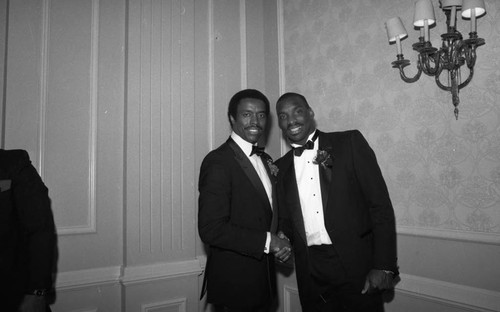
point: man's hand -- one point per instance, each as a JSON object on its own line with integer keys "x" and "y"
{"x": 32, "y": 303}
{"x": 378, "y": 279}
{"x": 280, "y": 247}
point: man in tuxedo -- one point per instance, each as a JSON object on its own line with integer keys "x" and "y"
{"x": 27, "y": 235}
{"x": 336, "y": 210}
{"x": 236, "y": 208}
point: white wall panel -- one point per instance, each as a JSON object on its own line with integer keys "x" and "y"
{"x": 3, "y": 49}
{"x": 69, "y": 102}
{"x": 174, "y": 305}
{"x": 227, "y": 66}
{"x": 168, "y": 294}
{"x": 23, "y": 76}
{"x": 64, "y": 95}
{"x": 51, "y": 101}
{"x": 160, "y": 127}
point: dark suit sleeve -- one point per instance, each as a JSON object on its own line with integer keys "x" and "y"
{"x": 376, "y": 195}
{"x": 217, "y": 186}
{"x": 35, "y": 217}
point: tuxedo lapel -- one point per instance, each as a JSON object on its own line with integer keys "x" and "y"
{"x": 249, "y": 170}
{"x": 272, "y": 172}
{"x": 268, "y": 162}
{"x": 292, "y": 200}
{"x": 325, "y": 173}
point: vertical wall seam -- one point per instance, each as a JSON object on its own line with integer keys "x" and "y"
{"x": 211, "y": 70}
{"x": 140, "y": 125}
{"x": 150, "y": 128}
{"x": 243, "y": 45}
{"x": 44, "y": 65}
{"x": 281, "y": 63}
{"x": 94, "y": 76}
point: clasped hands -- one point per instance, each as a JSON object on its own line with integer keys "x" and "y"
{"x": 280, "y": 246}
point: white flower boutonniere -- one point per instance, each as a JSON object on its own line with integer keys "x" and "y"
{"x": 274, "y": 169}
{"x": 323, "y": 158}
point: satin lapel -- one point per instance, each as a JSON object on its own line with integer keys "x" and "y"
{"x": 292, "y": 201}
{"x": 268, "y": 161}
{"x": 272, "y": 173}
{"x": 325, "y": 174}
{"x": 250, "y": 172}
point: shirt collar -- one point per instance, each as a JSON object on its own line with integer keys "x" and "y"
{"x": 245, "y": 146}
{"x": 309, "y": 138}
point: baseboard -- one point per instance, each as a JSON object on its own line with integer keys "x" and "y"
{"x": 88, "y": 278}
{"x": 455, "y": 295}
{"x": 146, "y": 273}
{"x": 458, "y": 295}
{"x": 420, "y": 287}
{"x": 128, "y": 275}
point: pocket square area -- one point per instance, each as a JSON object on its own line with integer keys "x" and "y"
{"x": 5, "y": 185}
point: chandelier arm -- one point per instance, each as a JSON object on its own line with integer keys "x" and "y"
{"x": 469, "y": 78}
{"x": 427, "y": 68}
{"x": 410, "y": 79}
{"x": 440, "y": 85}
{"x": 439, "y": 65}
{"x": 460, "y": 86}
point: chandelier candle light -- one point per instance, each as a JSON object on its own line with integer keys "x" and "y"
{"x": 454, "y": 52}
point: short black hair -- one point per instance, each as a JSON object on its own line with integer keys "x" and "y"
{"x": 289, "y": 95}
{"x": 245, "y": 94}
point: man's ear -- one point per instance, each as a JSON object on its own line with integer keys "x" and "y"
{"x": 232, "y": 120}
{"x": 311, "y": 112}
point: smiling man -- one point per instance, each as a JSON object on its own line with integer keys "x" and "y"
{"x": 235, "y": 217}
{"x": 336, "y": 209}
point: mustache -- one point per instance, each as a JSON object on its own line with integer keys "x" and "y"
{"x": 254, "y": 127}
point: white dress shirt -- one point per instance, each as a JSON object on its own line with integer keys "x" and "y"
{"x": 311, "y": 203}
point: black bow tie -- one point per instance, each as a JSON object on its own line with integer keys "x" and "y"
{"x": 297, "y": 151}
{"x": 257, "y": 150}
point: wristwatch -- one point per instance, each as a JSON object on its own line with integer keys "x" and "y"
{"x": 39, "y": 292}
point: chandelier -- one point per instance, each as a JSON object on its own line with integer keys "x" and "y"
{"x": 454, "y": 52}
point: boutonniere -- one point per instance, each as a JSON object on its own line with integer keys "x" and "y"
{"x": 274, "y": 169}
{"x": 323, "y": 158}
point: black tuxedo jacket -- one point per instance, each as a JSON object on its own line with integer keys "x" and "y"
{"x": 359, "y": 216}
{"x": 27, "y": 232}
{"x": 233, "y": 218}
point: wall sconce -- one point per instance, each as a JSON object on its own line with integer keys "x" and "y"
{"x": 454, "y": 52}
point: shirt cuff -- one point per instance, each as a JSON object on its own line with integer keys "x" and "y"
{"x": 268, "y": 243}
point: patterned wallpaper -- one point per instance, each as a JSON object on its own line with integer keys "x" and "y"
{"x": 443, "y": 175}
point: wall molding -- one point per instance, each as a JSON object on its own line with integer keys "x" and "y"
{"x": 44, "y": 65}
{"x": 180, "y": 304}
{"x": 465, "y": 297}
{"x": 151, "y": 272}
{"x": 243, "y": 44}
{"x": 281, "y": 59}
{"x": 211, "y": 79}
{"x": 88, "y": 278}
{"x": 90, "y": 227}
{"x": 457, "y": 295}
{"x": 487, "y": 238}
{"x": 454, "y": 294}
{"x": 288, "y": 292}
{"x": 128, "y": 275}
